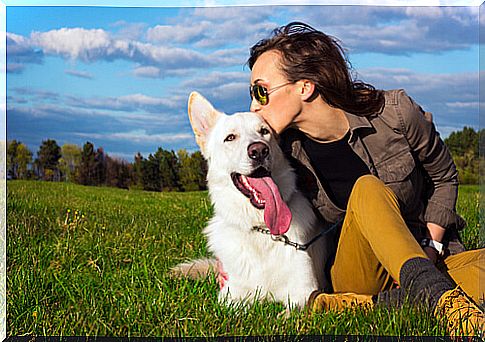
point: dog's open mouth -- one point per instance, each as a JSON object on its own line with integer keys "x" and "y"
{"x": 263, "y": 193}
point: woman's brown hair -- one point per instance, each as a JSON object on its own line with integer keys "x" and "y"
{"x": 310, "y": 54}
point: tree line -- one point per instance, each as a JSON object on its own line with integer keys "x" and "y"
{"x": 169, "y": 171}
{"x": 161, "y": 171}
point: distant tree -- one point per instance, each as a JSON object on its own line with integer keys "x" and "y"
{"x": 151, "y": 174}
{"x": 87, "y": 166}
{"x": 99, "y": 167}
{"x": 201, "y": 165}
{"x": 70, "y": 161}
{"x": 137, "y": 172}
{"x": 169, "y": 167}
{"x": 187, "y": 174}
{"x": 12, "y": 165}
{"x": 192, "y": 171}
{"x": 117, "y": 173}
{"x": 463, "y": 146}
{"x": 48, "y": 160}
{"x": 463, "y": 142}
{"x": 19, "y": 157}
{"x": 24, "y": 159}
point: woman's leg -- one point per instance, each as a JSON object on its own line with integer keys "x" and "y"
{"x": 374, "y": 242}
{"x": 467, "y": 269}
{"x": 375, "y": 247}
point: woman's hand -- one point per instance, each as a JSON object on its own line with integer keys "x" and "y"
{"x": 435, "y": 232}
{"x": 431, "y": 253}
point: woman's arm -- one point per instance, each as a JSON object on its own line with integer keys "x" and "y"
{"x": 426, "y": 144}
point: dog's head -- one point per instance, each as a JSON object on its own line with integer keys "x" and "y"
{"x": 243, "y": 158}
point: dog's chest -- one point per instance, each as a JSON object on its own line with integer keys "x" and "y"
{"x": 253, "y": 258}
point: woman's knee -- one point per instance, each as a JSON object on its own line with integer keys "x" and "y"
{"x": 368, "y": 187}
{"x": 366, "y": 181}
{"x": 366, "y": 184}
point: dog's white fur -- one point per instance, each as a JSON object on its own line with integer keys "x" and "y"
{"x": 257, "y": 267}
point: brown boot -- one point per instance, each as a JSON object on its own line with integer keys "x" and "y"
{"x": 320, "y": 302}
{"x": 463, "y": 316}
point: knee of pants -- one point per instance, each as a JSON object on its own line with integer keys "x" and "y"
{"x": 369, "y": 187}
{"x": 366, "y": 181}
{"x": 366, "y": 184}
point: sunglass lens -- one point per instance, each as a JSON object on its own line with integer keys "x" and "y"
{"x": 261, "y": 94}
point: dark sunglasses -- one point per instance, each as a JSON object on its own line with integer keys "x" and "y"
{"x": 261, "y": 94}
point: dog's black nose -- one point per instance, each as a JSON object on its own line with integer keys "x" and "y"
{"x": 258, "y": 151}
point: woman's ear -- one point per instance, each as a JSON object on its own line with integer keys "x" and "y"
{"x": 307, "y": 89}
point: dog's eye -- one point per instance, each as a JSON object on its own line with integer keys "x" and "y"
{"x": 230, "y": 137}
{"x": 264, "y": 131}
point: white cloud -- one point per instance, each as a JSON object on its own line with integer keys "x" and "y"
{"x": 144, "y": 100}
{"x": 127, "y": 30}
{"x": 155, "y": 72}
{"x": 140, "y": 136}
{"x": 97, "y": 44}
{"x": 177, "y": 33}
{"x": 216, "y": 26}
{"x": 147, "y": 71}
{"x": 127, "y": 103}
{"x": 395, "y": 30}
{"x": 447, "y": 86}
{"x": 472, "y": 104}
{"x": 452, "y": 98}
{"x": 81, "y": 74}
{"x": 74, "y": 43}
{"x": 216, "y": 79}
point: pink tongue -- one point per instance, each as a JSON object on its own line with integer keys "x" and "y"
{"x": 277, "y": 215}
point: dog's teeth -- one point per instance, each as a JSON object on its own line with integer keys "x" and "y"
{"x": 258, "y": 200}
{"x": 245, "y": 182}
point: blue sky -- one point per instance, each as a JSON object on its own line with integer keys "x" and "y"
{"x": 119, "y": 77}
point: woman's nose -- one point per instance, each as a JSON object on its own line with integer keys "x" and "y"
{"x": 255, "y": 106}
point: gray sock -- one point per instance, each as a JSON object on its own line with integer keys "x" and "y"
{"x": 391, "y": 298}
{"x": 421, "y": 283}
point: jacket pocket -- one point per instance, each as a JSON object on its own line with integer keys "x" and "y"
{"x": 396, "y": 168}
{"x": 402, "y": 176}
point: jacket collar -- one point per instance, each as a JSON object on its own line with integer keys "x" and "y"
{"x": 357, "y": 121}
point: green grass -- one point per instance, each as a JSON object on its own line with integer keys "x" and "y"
{"x": 94, "y": 261}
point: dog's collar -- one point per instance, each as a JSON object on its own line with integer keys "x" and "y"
{"x": 283, "y": 238}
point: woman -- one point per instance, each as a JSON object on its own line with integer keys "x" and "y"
{"x": 373, "y": 159}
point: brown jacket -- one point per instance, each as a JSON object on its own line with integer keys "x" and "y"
{"x": 402, "y": 148}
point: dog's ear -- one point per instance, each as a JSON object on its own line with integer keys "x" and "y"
{"x": 202, "y": 117}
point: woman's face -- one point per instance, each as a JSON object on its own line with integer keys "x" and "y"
{"x": 284, "y": 104}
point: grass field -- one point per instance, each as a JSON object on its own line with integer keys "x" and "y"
{"x": 94, "y": 261}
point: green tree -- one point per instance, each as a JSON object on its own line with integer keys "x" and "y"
{"x": 12, "y": 166}
{"x": 463, "y": 142}
{"x": 117, "y": 173}
{"x": 169, "y": 166}
{"x": 463, "y": 146}
{"x": 24, "y": 159}
{"x": 19, "y": 157}
{"x": 201, "y": 165}
{"x": 151, "y": 174}
{"x": 87, "y": 165}
{"x": 70, "y": 161}
{"x": 48, "y": 160}
{"x": 137, "y": 172}
{"x": 99, "y": 167}
{"x": 192, "y": 171}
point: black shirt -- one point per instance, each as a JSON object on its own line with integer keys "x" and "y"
{"x": 337, "y": 167}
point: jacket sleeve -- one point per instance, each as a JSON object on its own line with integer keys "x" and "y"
{"x": 436, "y": 160}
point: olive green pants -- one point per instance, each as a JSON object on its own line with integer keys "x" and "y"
{"x": 375, "y": 242}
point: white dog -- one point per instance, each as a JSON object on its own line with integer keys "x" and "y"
{"x": 257, "y": 208}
